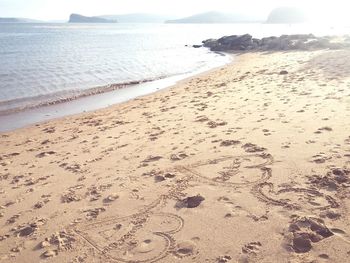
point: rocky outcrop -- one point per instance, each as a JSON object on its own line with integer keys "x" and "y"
{"x": 242, "y": 42}
{"x": 75, "y": 18}
{"x": 284, "y": 42}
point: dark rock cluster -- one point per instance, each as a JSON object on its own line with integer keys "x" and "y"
{"x": 307, "y": 230}
{"x": 190, "y": 202}
{"x": 285, "y": 42}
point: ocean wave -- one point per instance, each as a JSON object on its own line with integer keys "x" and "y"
{"x": 20, "y": 104}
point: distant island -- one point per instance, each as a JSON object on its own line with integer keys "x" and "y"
{"x": 76, "y": 18}
{"x": 138, "y": 18}
{"x": 18, "y": 20}
{"x": 286, "y": 15}
{"x": 280, "y": 15}
{"x": 214, "y": 17}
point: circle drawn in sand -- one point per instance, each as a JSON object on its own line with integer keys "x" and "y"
{"x": 300, "y": 197}
{"x": 143, "y": 237}
{"x": 233, "y": 170}
{"x": 144, "y": 246}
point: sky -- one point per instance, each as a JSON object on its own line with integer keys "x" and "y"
{"x": 61, "y": 9}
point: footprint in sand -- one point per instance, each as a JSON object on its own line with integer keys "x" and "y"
{"x": 214, "y": 124}
{"x": 178, "y": 157}
{"x": 303, "y": 231}
{"x": 252, "y": 148}
{"x": 229, "y": 143}
{"x": 160, "y": 176}
{"x": 185, "y": 249}
{"x": 320, "y": 158}
{"x": 251, "y": 248}
{"x": 223, "y": 259}
{"x": 57, "y": 242}
{"x": 337, "y": 179}
{"x": 341, "y": 233}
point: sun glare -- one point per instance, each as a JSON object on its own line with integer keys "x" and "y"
{"x": 332, "y": 13}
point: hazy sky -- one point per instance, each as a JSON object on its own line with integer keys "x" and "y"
{"x": 60, "y": 9}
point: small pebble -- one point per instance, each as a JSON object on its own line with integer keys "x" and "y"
{"x": 49, "y": 253}
{"x": 44, "y": 244}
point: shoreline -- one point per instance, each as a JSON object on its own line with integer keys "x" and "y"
{"x": 98, "y": 99}
{"x": 73, "y": 95}
{"x": 261, "y": 143}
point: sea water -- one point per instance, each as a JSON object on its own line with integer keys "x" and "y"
{"x": 43, "y": 64}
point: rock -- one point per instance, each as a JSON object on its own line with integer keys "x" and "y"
{"x": 339, "y": 172}
{"x": 273, "y": 43}
{"x": 169, "y": 175}
{"x": 159, "y": 178}
{"x": 283, "y": 72}
{"x": 27, "y": 231}
{"x": 331, "y": 215}
{"x": 223, "y": 259}
{"x": 210, "y": 43}
{"x": 299, "y": 36}
{"x": 111, "y": 198}
{"x": 49, "y": 253}
{"x": 236, "y": 42}
{"x": 197, "y": 46}
{"x": 45, "y": 244}
{"x": 152, "y": 159}
{"x": 17, "y": 249}
{"x": 178, "y": 157}
{"x": 320, "y": 229}
{"x": 229, "y": 142}
{"x": 2, "y": 238}
{"x": 39, "y": 205}
{"x": 305, "y": 231}
{"x": 185, "y": 248}
{"x": 301, "y": 244}
{"x": 190, "y": 202}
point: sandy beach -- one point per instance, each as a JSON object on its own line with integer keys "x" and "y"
{"x": 246, "y": 163}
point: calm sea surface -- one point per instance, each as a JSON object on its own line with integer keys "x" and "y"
{"x": 41, "y": 63}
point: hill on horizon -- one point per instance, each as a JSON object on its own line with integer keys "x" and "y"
{"x": 138, "y": 18}
{"x": 216, "y": 17}
{"x": 76, "y": 18}
{"x": 287, "y": 15}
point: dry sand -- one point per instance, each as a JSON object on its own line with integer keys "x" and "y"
{"x": 243, "y": 164}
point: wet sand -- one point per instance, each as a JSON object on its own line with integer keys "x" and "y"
{"x": 94, "y": 99}
{"x": 247, "y": 163}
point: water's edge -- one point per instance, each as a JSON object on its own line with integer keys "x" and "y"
{"x": 97, "y": 98}
{"x": 65, "y": 96}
